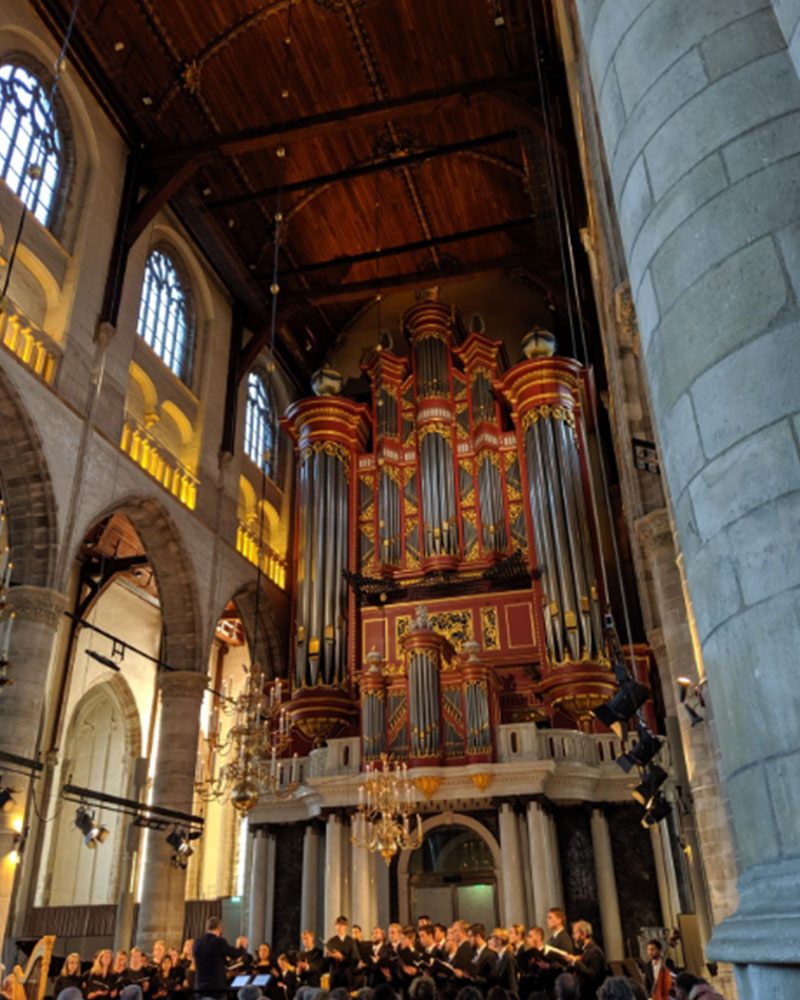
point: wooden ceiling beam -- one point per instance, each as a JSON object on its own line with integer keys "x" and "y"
{"x": 401, "y": 248}
{"x": 335, "y": 122}
{"x": 392, "y": 162}
{"x": 431, "y": 276}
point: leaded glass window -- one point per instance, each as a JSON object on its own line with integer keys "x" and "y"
{"x": 31, "y": 158}
{"x": 259, "y": 423}
{"x": 165, "y": 315}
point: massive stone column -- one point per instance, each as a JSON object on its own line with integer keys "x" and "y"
{"x": 38, "y": 612}
{"x": 513, "y": 881}
{"x": 363, "y": 890}
{"x": 164, "y": 884}
{"x": 698, "y": 107}
{"x": 613, "y": 944}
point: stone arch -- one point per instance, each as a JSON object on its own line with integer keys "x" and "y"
{"x": 182, "y": 625}
{"x": 269, "y": 651}
{"x": 28, "y": 493}
{"x": 102, "y": 740}
{"x": 450, "y": 819}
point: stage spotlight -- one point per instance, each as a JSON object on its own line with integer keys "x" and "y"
{"x": 6, "y": 799}
{"x": 684, "y": 683}
{"x": 93, "y": 834}
{"x": 642, "y": 752}
{"x": 658, "y": 809}
{"x": 616, "y": 712}
{"x": 180, "y": 842}
{"x": 105, "y": 660}
{"x": 694, "y": 716}
{"x": 654, "y": 777}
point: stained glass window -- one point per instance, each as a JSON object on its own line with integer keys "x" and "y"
{"x": 30, "y": 141}
{"x": 164, "y": 314}
{"x": 259, "y": 422}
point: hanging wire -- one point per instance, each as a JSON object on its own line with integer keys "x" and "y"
{"x": 562, "y": 215}
{"x": 278, "y": 215}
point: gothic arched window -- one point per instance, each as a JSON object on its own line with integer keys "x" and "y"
{"x": 165, "y": 314}
{"x": 259, "y": 422}
{"x": 31, "y": 147}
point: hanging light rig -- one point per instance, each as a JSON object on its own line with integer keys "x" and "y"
{"x": 382, "y": 822}
{"x": 261, "y": 734}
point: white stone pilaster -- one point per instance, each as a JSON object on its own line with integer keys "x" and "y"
{"x": 512, "y": 868}
{"x": 257, "y": 890}
{"x": 333, "y": 873}
{"x": 309, "y": 904}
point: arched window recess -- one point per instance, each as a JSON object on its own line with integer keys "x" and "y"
{"x": 166, "y": 314}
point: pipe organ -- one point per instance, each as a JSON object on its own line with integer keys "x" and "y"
{"x": 447, "y": 573}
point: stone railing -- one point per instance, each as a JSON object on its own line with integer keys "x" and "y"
{"x": 515, "y": 743}
{"x": 273, "y": 564}
{"x": 32, "y": 346}
{"x": 167, "y": 470}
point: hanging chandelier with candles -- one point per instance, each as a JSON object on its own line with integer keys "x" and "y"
{"x": 245, "y": 762}
{"x": 382, "y": 822}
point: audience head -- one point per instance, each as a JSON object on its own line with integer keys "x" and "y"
{"x": 70, "y": 993}
{"x": 382, "y": 992}
{"x": 340, "y": 993}
{"x": 567, "y": 987}
{"x": 498, "y": 993}
{"x": 365, "y": 993}
{"x": 685, "y": 983}
{"x": 637, "y": 989}
{"x": 131, "y": 992}
{"x": 422, "y": 988}
{"x": 249, "y": 993}
{"x": 616, "y": 988}
{"x": 556, "y": 918}
{"x": 469, "y": 993}
{"x": 535, "y": 937}
{"x": 214, "y": 926}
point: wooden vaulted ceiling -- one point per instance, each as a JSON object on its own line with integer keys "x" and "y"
{"x": 415, "y": 126}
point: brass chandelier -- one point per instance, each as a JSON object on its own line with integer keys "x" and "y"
{"x": 382, "y": 822}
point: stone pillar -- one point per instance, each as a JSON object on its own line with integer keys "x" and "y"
{"x": 667, "y": 892}
{"x": 38, "y": 613}
{"x": 257, "y": 890}
{"x": 557, "y": 882}
{"x": 513, "y": 880}
{"x": 163, "y": 884}
{"x": 269, "y": 894}
{"x": 545, "y": 870}
{"x": 309, "y": 904}
{"x": 363, "y": 909}
{"x": 333, "y": 873}
{"x": 383, "y": 893}
{"x": 613, "y": 943}
{"x": 694, "y": 105}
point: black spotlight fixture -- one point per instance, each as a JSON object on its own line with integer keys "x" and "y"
{"x": 684, "y": 683}
{"x": 105, "y": 660}
{"x": 93, "y": 833}
{"x": 693, "y": 715}
{"x": 180, "y": 842}
{"x": 625, "y": 703}
{"x": 6, "y": 799}
{"x": 658, "y": 809}
{"x": 642, "y": 752}
{"x": 652, "y": 779}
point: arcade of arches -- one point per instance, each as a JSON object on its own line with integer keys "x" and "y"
{"x": 401, "y": 378}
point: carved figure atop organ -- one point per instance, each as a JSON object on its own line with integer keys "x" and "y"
{"x": 464, "y": 483}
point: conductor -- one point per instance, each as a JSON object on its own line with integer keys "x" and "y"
{"x": 210, "y": 952}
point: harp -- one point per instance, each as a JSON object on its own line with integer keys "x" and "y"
{"x": 30, "y": 983}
